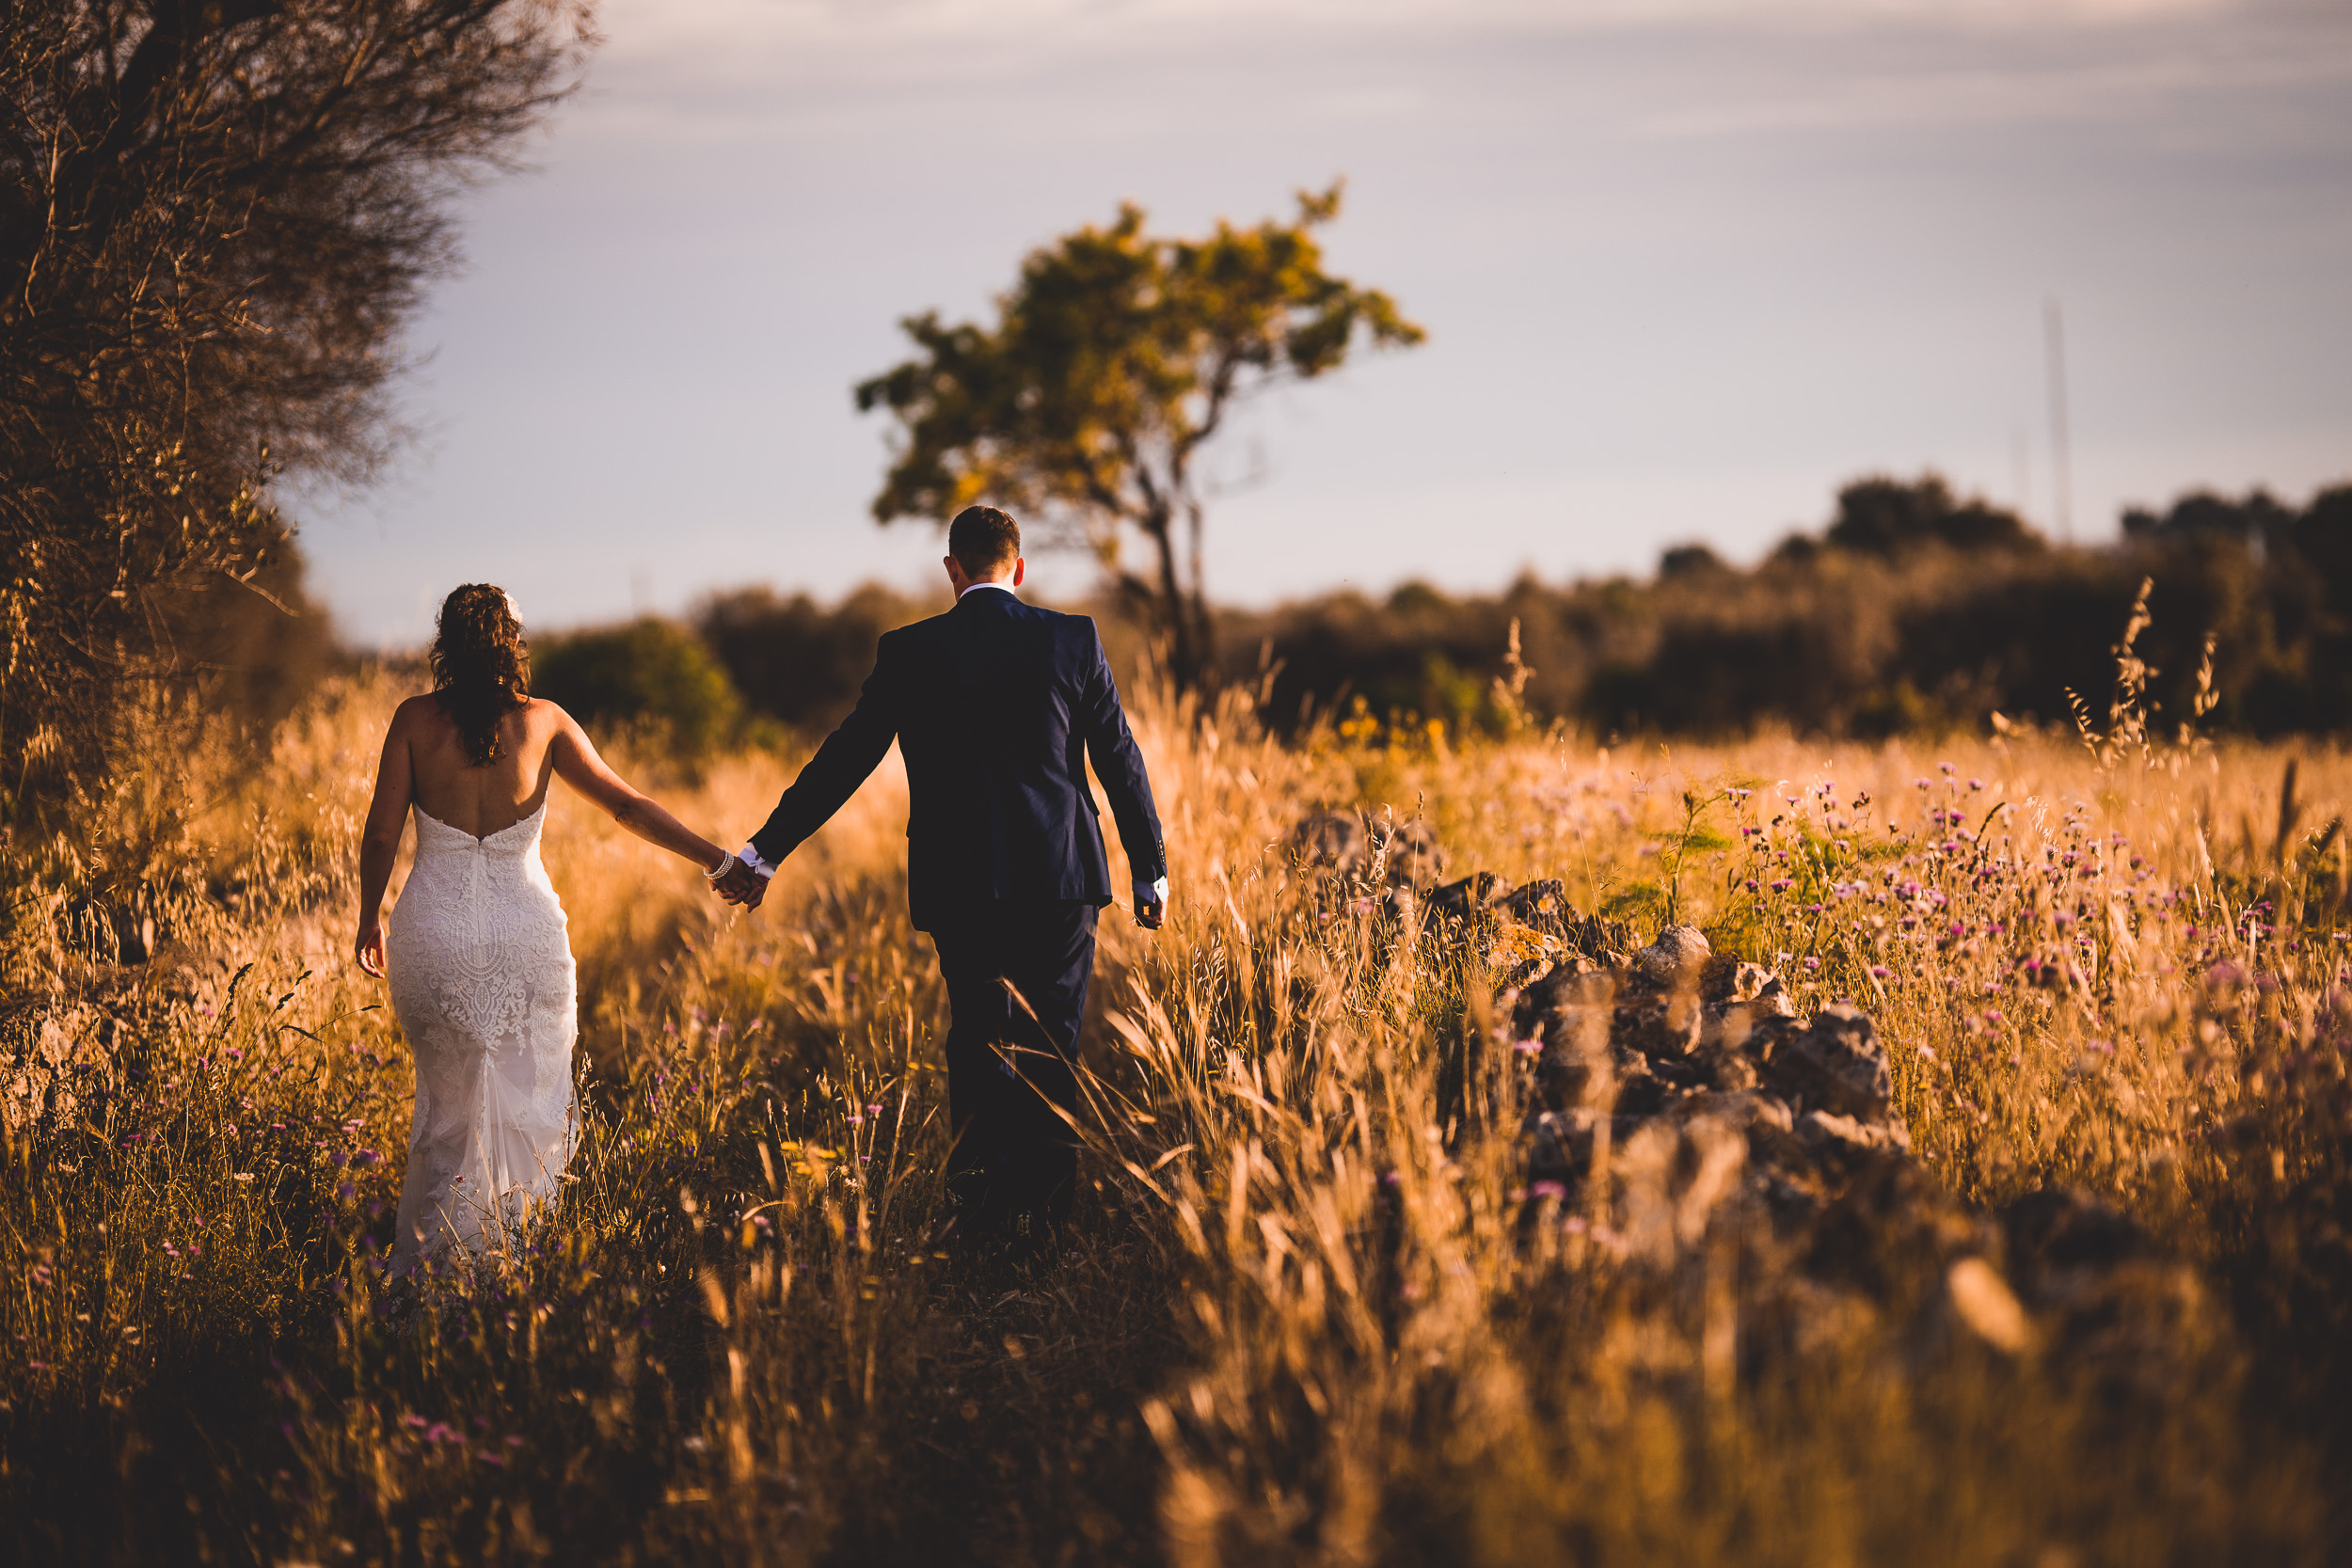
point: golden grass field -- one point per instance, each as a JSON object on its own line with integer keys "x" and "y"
{"x": 1303, "y": 1317}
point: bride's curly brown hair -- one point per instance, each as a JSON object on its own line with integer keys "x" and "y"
{"x": 480, "y": 665}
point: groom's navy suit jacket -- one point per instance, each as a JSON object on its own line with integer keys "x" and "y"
{"x": 997, "y": 706}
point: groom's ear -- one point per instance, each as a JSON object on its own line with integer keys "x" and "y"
{"x": 1020, "y": 569}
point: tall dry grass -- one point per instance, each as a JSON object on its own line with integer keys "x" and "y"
{"x": 1305, "y": 1314}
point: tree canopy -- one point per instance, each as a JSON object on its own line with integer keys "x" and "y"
{"x": 1883, "y": 515}
{"x": 1114, "y": 357}
{"x": 215, "y": 216}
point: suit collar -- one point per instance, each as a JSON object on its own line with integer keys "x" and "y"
{"x": 986, "y": 596}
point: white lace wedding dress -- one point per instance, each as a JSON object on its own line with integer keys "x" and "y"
{"x": 482, "y": 982}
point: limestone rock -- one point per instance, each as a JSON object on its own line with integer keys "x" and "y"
{"x": 1824, "y": 1133}
{"x": 1657, "y": 1023}
{"x": 1408, "y": 855}
{"x": 1675, "y": 1177}
{"x": 1347, "y": 846}
{"x": 1838, "y": 1065}
{"x": 1675, "y": 960}
{"x": 1541, "y": 906}
{"x": 1726, "y": 1068}
{"x": 40, "y": 1049}
{"x": 1727, "y": 984}
{"x": 1641, "y": 1092}
{"x": 1469, "y": 896}
{"x": 1578, "y": 1072}
{"x": 1331, "y": 842}
{"x": 1742, "y": 1109}
{"x": 1572, "y": 1000}
{"x": 1762, "y": 1038}
{"x": 1891, "y": 1231}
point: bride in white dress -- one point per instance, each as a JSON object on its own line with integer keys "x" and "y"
{"x": 477, "y": 955}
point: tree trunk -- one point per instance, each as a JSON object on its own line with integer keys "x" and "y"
{"x": 1183, "y": 656}
{"x": 1203, "y": 634}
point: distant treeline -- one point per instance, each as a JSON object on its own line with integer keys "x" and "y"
{"x": 750, "y": 664}
{"x": 1914, "y": 609}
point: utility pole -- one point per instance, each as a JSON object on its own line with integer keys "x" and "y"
{"x": 2061, "y": 460}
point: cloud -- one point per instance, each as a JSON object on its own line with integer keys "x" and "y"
{"x": 652, "y": 26}
{"x": 1719, "y": 66}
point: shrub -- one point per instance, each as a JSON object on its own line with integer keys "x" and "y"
{"x": 794, "y": 660}
{"x": 651, "y": 675}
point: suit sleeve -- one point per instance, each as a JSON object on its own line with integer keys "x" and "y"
{"x": 841, "y": 764}
{"x": 1111, "y": 747}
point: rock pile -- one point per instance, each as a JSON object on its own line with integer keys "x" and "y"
{"x": 1357, "y": 855}
{"x": 37, "y": 1057}
{"x": 64, "y": 1052}
{"x": 1680, "y": 1034}
{"x": 1673, "y": 1100}
{"x": 1687, "y": 1082}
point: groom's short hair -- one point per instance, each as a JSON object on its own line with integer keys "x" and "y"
{"x": 983, "y": 540}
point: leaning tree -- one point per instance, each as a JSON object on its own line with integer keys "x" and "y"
{"x": 1113, "y": 359}
{"x": 215, "y": 216}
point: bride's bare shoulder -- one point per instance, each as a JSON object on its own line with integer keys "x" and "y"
{"x": 539, "y": 727}
{"x": 423, "y": 709}
{"x": 539, "y": 713}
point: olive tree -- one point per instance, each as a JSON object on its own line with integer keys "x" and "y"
{"x": 1115, "y": 356}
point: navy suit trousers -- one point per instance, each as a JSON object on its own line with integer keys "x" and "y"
{"x": 1017, "y": 971}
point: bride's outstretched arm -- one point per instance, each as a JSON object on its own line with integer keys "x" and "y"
{"x": 578, "y": 765}
{"x": 379, "y": 840}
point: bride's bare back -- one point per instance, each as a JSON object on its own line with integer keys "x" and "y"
{"x": 482, "y": 798}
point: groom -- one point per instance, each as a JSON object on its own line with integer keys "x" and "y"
{"x": 997, "y": 706}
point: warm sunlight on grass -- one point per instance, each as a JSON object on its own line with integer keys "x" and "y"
{"x": 1312, "y": 1311}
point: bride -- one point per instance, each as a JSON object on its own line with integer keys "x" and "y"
{"x": 480, "y": 968}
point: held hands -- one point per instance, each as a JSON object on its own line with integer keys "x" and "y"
{"x": 736, "y": 882}
{"x": 369, "y": 949}
{"x": 742, "y": 886}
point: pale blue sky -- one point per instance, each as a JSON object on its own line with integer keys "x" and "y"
{"x": 1685, "y": 267}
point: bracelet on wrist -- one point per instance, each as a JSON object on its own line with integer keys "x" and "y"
{"x": 726, "y": 862}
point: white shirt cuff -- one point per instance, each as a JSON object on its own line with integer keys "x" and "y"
{"x": 750, "y": 857}
{"x": 1151, "y": 892}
